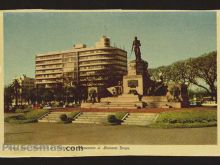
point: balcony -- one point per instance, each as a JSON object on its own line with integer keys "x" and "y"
{"x": 51, "y": 72}
{"x": 48, "y": 58}
{"x": 48, "y": 68}
{"x": 50, "y": 77}
{"x": 49, "y": 63}
{"x": 92, "y": 58}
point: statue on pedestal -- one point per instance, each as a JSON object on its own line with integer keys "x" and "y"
{"x": 136, "y": 47}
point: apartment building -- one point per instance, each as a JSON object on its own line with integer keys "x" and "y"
{"x": 98, "y": 66}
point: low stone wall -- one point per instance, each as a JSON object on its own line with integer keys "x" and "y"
{"x": 160, "y": 102}
{"x": 154, "y": 98}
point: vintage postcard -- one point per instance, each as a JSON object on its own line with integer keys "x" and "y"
{"x": 112, "y": 82}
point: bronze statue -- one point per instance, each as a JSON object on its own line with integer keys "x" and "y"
{"x": 136, "y": 47}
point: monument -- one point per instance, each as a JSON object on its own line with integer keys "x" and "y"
{"x": 139, "y": 91}
{"x": 137, "y": 78}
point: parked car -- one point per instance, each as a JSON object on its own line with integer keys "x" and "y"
{"x": 209, "y": 102}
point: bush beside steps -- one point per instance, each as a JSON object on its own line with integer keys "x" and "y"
{"x": 67, "y": 118}
{"x": 115, "y": 119}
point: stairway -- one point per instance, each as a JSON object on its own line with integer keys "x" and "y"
{"x": 142, "y": 119}
{"x": 52, "y": 117}
{"x": 92, "y": 117}
{"x": 125, "y": 101}
{"x": 112, "y": 105}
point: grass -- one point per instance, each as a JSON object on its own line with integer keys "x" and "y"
{"x": 23, "y": 110}
{"x": 72, "y": 115}
{"x": 29, "y": 117}
{"x": 120, "y": 115}
{"x": 186, "y": 119}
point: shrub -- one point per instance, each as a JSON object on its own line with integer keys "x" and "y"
{"x": 63, "y": 117}
{"x": 113, "y": 120}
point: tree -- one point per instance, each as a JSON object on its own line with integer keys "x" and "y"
{"x": 16, "y": 87}
{"x": 48, "y": 95}
{"x": 205, "y": 68}
{"x": 8, "y": 97}
{"x": 194, "y": 71}
{"x": 161, "y": 73}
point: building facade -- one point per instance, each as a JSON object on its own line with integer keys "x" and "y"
{"x": 99, "y": 66}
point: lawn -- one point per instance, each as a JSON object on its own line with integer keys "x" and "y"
{"x": 26, "y": 117}
{"x": 186, "y": 119}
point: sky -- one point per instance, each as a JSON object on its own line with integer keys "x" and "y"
{"x": 165, "y": 37}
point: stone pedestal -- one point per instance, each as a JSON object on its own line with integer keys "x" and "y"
{"x": 134, "y": 82}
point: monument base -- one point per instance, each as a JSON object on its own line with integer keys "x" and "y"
{"x": 133, "y": 84}
{"x": 161, "y": 102}
{"x": 124, "y": 101}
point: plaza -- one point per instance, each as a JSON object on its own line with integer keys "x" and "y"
{"x": 105, "y": 94}
{"x": 41, "y": 133}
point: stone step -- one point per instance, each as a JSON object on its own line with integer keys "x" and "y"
{"x": 48, "y": 121}
{"x": 58, "y": 113}
{"x": 96, "y": 115}
{"x": 139, "y": 119}
{"x": 110, "y": 105}
{"x": 87, "y": 122}
{"x": 141, "y": 115}
{"x": 119, "y": 107}
{"x": 83, "y": 117}
{"x": 123, "y": 103}
{"x": 92, "y": 117}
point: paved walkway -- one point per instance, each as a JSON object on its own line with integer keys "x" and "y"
{"x": 53, "y": 133}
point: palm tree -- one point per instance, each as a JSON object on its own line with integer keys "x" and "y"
{"x": 16, "y": 87}
{"x": 8, "y": 93}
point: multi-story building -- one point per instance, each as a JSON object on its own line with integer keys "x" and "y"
{"x": 99, "y": 66}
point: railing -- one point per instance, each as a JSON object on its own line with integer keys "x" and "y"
{"x": 77, "y": 115}
{"x": 44, "y": 115}
{"x": 126, "y": 115}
